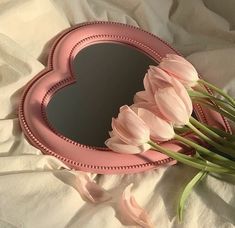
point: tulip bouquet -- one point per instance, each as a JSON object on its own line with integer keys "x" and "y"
{"x": 163, "y": 111}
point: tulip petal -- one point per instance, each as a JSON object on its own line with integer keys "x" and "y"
{"x": 133, "y": 212}
{"x": 89, "y": 190}
{"x": 171, "y": 106}
{"x": 160, "y": 129}
{"x": 177, "y": 58}
{"x": 111, "y": 134}
{"x": 149, "y": 88}
{"x": 152, "y": 107}
{"x": 157, "y": 78}
{"x": 130, "y": 128}
{"x": 160, "y": 74}
{"x": 183, "y": 94}
{"x": 116, "y": 145}
{"x": 180, "y": 70}
{"x": 142, "y": 96}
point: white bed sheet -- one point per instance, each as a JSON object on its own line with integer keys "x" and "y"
{"x": 36, "y": 190}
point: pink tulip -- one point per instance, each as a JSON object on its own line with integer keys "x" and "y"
{"x": 142, "y": 100}
{"x": 152, "y": 107}
{"x": 155, "y": 78}
{"x": 143, "y": 96}
{"x": 156, "y": 83}
{"x": 180, "y": 68}
{"x": 116, "y": 144}
{"x": 174, "y": 103}
{"x": 130, "y": 128}
{"x": 160, "y": 129}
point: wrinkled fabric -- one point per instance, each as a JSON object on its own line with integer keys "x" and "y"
{"x": 37, "y": 190}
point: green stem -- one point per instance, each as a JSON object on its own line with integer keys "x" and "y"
{"x": 211, "y": 133}
{"x": 221, "y": 133}
{"x": 211, "y": 142}
{"x": 206, "y": 95}
{"x": 193, "y": 162}
{"x": 204, "y": 128}
{"x": 213, "y": 107}
{"x": 223, "y": 163}
{"x": 211, "y": 155}
{"x": 219, "y": 91}
{"x": 225, "y": 107}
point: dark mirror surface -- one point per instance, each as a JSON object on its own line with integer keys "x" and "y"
{"x": 107, "y": 77}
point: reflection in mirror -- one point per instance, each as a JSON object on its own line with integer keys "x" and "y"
{"x": 107, "y": 77}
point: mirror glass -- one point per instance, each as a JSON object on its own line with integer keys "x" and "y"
{"x": 107, "y": 77}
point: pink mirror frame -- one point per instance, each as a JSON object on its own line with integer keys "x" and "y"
{"x": 58, "y": 74}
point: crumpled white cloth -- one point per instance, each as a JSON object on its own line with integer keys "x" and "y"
{"x": 34, "y": 191}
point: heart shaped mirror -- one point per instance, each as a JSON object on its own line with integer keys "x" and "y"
{"x": 93, "y": 69}
{"x": 107, "y": 77}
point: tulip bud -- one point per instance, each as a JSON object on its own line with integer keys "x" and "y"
{"x": 160, "y": 129}
{"x": 155, "y": 78}
{"x": 176, "y": 108}
{"x": 130, "y": 128}
{"x": 116, "y": 144}
{"x": 181, "y": 69}
{"x": 168, "y": 95}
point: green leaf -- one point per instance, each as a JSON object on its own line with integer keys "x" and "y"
{"x": 199, "y": 177}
